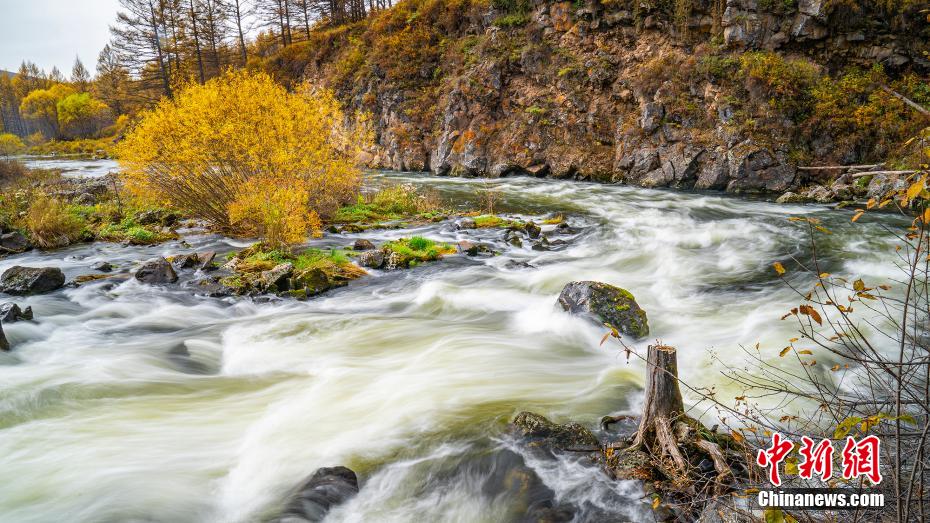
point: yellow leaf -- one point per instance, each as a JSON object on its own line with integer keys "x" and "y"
{"x": 858, "y": 215}
{"x": 738, "y": 437}
{"x": 779, "y": 268}
{"x": 914, "y": 190}
{"x": 859, "y": 285}
{"x": 783, "y": 352}
{"x": 656, "y": 502}
{"x": 805, "y": 351}
{"x": 811, "y": 312}
{"x": 792, "y": 340}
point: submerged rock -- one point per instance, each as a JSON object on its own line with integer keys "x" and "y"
{"x": 325, "y": 489}
{"x": 606, "y": 304}
{"x": 4, "y": 344}
{"x": 156, "y": 272}
{"x": 31, "y": 280}
{"x": 10, "y": 313}
{"x": 102, "y": 267}
{"x": 545, "y": 433}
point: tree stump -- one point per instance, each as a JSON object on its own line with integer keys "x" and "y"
{"x": 663, "y": 407}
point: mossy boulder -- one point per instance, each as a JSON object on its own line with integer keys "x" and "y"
{"x": 23, "y": 281}
{"x": 606, "y": 304}
{"x": 543, "y": 432}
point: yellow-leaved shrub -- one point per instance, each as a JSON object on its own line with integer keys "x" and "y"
{"x": 247, "y": 155}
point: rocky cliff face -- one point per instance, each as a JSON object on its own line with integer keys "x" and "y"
{"x": 705, "y": 95}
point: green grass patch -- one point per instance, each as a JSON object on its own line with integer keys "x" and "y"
{"x": 415, "y": 250}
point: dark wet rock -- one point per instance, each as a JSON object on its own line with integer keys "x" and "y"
{"x": 31, "y": 280}
{"x": 213, "y": 287}
{"x": 11, "y": 313}
{"x": 185, "y": 261}
{"x": 541, "y": 245}
{"x": 605, "y": 304}
{"x": 508, "y": 475}
{"x": 542, "y": 432}
{"x": 515, "y": 241}
{"x": 362, "y": 245}
{"x": 14, "y": 242}
{"x": 373, "y": 259}
{"x": 473, "y": 249}
{"x": 156, "y": 272}
{"x": 532, "y": 230}
{"x": 102, "y": 267}
{"x": 206, "y": 260}
{"x": 466, "y": 223}
{"x": 325, "y": 489}
{"x": 276, "y": 279}
{"x": 88, "y": 278}
{"x": 515, "y": 265}
{"x": 4, "y": 344}
{"x": 468, "y": 248}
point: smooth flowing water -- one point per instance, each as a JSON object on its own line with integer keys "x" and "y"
{"x": 136, "y": 403}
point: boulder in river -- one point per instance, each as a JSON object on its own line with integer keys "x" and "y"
{"x": 373, "y": 259}
{"x": 532, "y": 230}
{"x": 14, "y": 242}
{"x": 606, "y": 304}
{"x": 362, "y": 245}
{"x": 156, "y": 272}
{"x": 10, "y": 313}
{"x": 4, "y": 344}
{"x": 206, "y": 260}
{"x": 325, "y": 489}
{"x": 545, "y": 433}
{"x": 31, "y": 280}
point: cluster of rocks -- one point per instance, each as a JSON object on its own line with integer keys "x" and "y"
{"x": 849, "y": 187}
{"x": 11, "y": 313}
{"x": 518, "y": 235}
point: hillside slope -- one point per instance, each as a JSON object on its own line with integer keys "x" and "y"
{"x": 688, "y": 94}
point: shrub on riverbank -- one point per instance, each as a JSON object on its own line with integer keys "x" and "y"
{"x": 247, "y": 156}
{"x": 50, "y": 224}
{"x": 10, "y": 144}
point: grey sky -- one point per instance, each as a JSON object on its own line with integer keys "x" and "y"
{"x": 51, "y": 32}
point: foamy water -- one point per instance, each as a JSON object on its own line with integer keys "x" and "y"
{"x": 138, "y": 403}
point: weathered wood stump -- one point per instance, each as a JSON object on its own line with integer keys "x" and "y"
{"x": 665, "y": 432}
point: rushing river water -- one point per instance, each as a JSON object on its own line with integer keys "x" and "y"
{"x": 135, "y": 403}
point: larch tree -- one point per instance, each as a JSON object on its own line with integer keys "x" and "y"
{"x": 139, "y": 37}
{"x": 80, "y": 77}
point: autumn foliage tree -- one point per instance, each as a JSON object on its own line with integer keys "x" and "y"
{"x": 247, "y": 156}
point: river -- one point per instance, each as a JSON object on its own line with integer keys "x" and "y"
{"x": 135, "y": 403}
